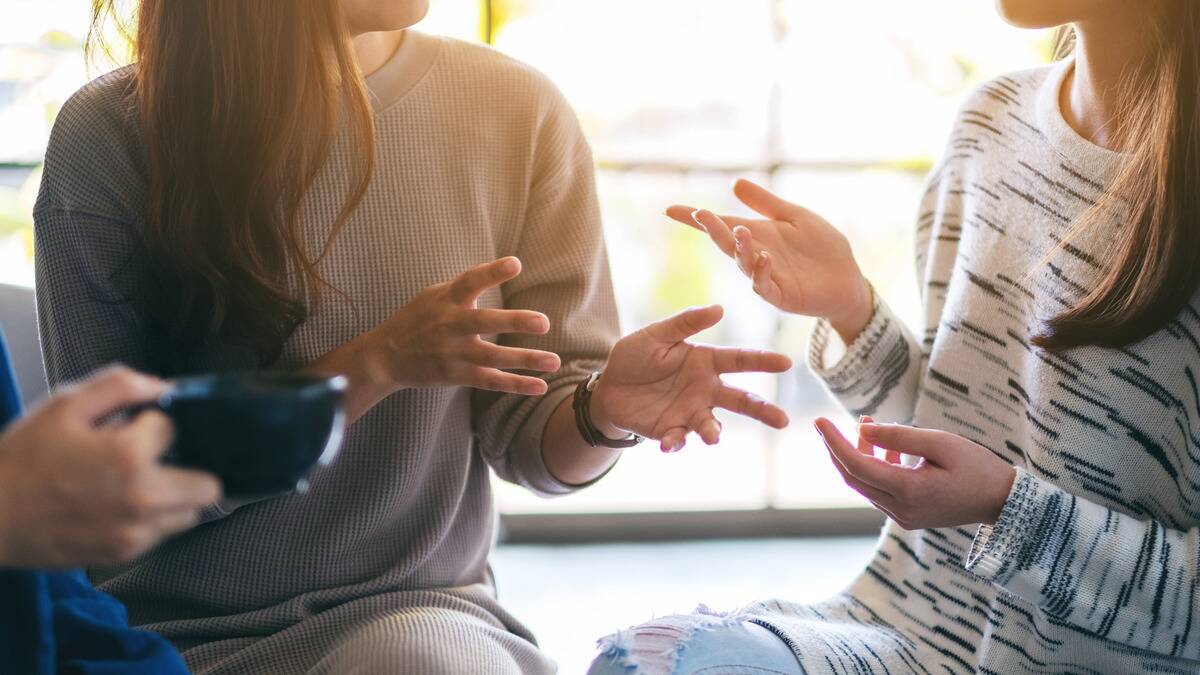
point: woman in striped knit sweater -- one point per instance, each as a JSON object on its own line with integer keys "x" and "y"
{"x": 1044, "y": 518}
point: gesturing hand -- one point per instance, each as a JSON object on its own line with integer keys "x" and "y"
{"x": 798, "y": 261}
{"x": 659, "y": 386}
{"x": 436, "y": 340}
{"x": 956, "y": 482}
{"x": 73, "y": 493}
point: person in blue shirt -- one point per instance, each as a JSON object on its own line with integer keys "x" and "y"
{"x": 74, "y": 492}
{"x": 80, "y": 488}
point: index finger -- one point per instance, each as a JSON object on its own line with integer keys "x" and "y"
{"x": 867, "y": 468}
{"x": 113, "y": 389}
{"x": 683, "y": 214}
{"x": 685, "y": 324}
{"x": 468, "y": 286}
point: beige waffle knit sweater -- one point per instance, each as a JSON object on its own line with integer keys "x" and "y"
{"x": 383, "y": 566}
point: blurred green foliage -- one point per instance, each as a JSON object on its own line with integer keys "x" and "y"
{"x": 687, "y": 277}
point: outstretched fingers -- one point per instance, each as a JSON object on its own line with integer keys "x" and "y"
{"x": 865, "y": 446}
{"x": 513, "y": 358}
{"x": 745, "y": 250}
{"x": 673, "y": 440}
{"x": 466, "y": 288}
{"x": 764, "y": 284}
{"x": 706, "y": 426}
{"x": 749, "y": 405}
{"x": 718, "y": 228}
{"x": 734, "y": 360}
{"x": 765, "y": 202}
{"x": 881, "y": 499}
{"x": 686, "y": 324}
{"x": 498, "y": 321}
{"x": 867, "y": 469}
{"x": 931, "y": 444}
{"x": 491, "y": 379}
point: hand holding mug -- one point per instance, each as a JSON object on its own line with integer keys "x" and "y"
{"x": 73, "y": 492}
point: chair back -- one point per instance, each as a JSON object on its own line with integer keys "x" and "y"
{"x": 18, "y": 320}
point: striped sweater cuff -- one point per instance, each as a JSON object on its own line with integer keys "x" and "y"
{"x": 877, "y": 364}
{"x": 998, "y": 550}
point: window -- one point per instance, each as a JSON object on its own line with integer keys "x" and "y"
{"x": 842, "y": 106}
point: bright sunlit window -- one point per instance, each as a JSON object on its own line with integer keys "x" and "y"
{"x": 842, "y": 106}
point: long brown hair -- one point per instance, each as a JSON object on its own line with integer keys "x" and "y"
{"x": 1154, "y": 267}
{"x": 239, "y": 103}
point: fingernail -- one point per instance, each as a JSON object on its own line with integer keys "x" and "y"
{"x": 549, "y": 364}
{"x": 868, "y": 430}
{"x": 862, "y": 418}
{"x": 536, "y": 324}
{"x": 510, "y": 266}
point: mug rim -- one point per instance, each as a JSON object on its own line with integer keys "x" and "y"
{"x": 291, "y": 383}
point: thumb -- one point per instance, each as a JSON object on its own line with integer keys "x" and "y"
{"x": 764, "y": 202}
{"x": 113, "y": 389}
{"x": 686, "y": 324}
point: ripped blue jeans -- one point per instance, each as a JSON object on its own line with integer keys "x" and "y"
{"x": 695, "y": 644}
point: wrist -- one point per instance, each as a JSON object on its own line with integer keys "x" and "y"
{"x": 850, "y": 324}
{"x": 364, "y": 361}
{"x": 1003, "y": 490}
{"x": 598, "y": 412}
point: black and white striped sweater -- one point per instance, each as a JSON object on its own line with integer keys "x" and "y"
{"x": 1092, "y": 566}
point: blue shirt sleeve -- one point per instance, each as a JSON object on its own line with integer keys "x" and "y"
{"x": 57, "y": 623}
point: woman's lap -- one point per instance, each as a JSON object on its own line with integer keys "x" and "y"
{"x": 430, "y": 632}
{"x": 433, "y": 641}
{"x": 695, "y": 644}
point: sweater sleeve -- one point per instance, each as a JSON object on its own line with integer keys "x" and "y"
{"x": 88, "y": 270}
{"x": 878, "y": 373}
{"x": 1104, "y": 572}
{"x": 565, "y": 276}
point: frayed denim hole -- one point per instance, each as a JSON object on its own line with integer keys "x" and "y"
{"x": 657, "y": 647}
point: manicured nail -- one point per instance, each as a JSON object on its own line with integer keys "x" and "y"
{"x": 536, "y": 324}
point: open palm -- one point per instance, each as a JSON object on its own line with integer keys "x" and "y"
{"x": 660, "y": 386}
{"x": 797, "y": 260}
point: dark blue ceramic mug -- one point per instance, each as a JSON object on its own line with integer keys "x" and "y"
{"x": 261, "y": 434}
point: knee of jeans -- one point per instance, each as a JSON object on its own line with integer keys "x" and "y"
{"x": 655, "y": 648}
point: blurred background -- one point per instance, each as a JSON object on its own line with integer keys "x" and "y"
{"x": 841, "y": 106}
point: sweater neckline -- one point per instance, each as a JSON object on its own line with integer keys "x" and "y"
{"x": 404, "y": 70}
{"x": 1062, "y": 136}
